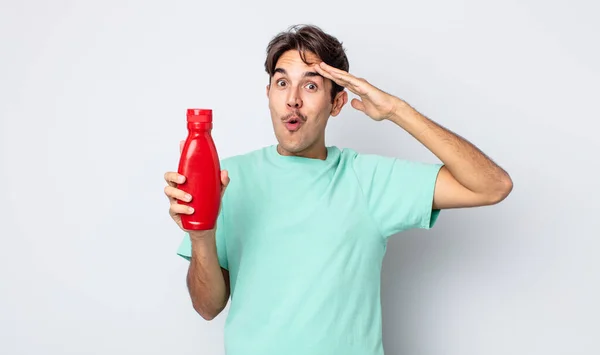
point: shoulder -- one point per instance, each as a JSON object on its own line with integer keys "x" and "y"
{"x": 367, "y": 165}
{"x": 359, "y": 161}
{"x": 243, "y": 160}
{"x": 352, "y": 155}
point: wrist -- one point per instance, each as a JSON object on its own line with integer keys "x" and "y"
{"x": 201, "y": 235}
{"x": 400, "y": 112}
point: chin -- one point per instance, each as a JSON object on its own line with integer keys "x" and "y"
{"x": 292, "y": 146}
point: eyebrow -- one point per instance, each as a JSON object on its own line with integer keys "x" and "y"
{"x": 306, "y": 74}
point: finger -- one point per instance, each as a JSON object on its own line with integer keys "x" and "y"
{"x": 325, "y": 73}
{"x": 357, "y": 104}
{"x": 341, "y": 78}
{"x": 176, "y": 208}
{"x": 330, "y": 68}
{"x": 225, "y": 178}
{"x": 339, "y": 74}
{"x": 181, "y": 143}
{"x": 331, "y": 75}
{"x": 224, "y": 181}
{"x": 173, "y": 178}
{"x": 174, "y": 193}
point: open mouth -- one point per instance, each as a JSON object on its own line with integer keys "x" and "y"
{"x": 293, "y": 124}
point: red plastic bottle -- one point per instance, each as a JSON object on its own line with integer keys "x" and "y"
{"x": 199, "y": 163}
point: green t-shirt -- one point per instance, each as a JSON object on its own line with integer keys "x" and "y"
{"x": 304, "y": 240}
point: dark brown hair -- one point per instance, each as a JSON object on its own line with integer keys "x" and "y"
{"x": 308, "y": 38}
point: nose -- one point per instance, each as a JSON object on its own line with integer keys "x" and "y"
{"x": 294, "y": 100}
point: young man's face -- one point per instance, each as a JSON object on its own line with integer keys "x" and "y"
{"x": 300, "y": 104}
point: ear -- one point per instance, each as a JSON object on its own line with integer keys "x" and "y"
{"x": 268, "y": 88}
{"x": 340, "y": 100}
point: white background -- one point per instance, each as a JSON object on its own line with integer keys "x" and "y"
{"x": 92, "y": 106}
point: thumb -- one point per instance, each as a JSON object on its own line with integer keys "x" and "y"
{"x": 224, "y": 179}
{"x": 357, "y": 104}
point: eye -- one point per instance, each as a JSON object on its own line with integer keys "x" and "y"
{"x": 281, "y": 83}
{"x": 311, "y": 86}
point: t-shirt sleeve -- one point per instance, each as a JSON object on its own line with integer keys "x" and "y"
{"x": 185, "y": 247}
{"x": 399, "y": 193}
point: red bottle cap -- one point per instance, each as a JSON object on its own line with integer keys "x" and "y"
{"x": 198, "y": 115}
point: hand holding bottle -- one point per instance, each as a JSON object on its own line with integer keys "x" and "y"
{"x": 173, "y": 179}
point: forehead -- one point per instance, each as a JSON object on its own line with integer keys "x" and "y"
{"x": 291, "y": 60}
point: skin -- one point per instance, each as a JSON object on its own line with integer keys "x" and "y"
{"x": 208, "y": 283}
{"x": 298, "y": 89}
{"x": 467, "y": 179}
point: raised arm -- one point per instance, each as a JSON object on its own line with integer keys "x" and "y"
{"x": 468, "y": 178}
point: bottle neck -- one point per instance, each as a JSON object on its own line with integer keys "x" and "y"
{"x": 200, "y": 126}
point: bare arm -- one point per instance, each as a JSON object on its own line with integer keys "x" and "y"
{"x": 469, "y": 178}
{"x": 207, "y": 282}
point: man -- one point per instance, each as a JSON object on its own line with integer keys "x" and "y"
{"x": 303, "y": 227}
